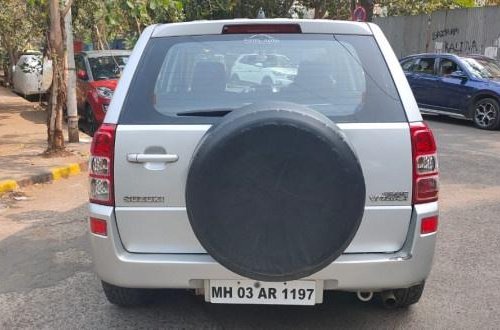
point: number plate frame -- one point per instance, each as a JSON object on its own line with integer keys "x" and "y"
{"x": 263, "y": 293}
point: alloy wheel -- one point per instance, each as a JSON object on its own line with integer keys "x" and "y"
{"x": 485, "y": 114}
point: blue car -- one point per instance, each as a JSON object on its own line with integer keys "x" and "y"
{"x": 466, "y": 87}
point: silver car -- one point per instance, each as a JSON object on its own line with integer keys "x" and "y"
{"x": 259, "y": 194}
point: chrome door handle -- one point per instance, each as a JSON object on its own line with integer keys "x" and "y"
{"x": 152, "y": 158}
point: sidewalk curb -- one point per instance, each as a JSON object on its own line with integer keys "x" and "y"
{"x": 55, "y": 173}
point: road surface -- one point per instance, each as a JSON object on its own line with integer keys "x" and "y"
{"x": 46, "y": 277}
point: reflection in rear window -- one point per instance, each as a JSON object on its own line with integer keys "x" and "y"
{"x": 343, "y": 77}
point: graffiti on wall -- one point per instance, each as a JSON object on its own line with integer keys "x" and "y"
{"x": 454, "y": 46}
{"x": 461, "y": 47}
{"x": 444, "y": 33}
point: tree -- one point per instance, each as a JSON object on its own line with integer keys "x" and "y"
{"x": 88, "y": 21}
{"x": 208, "y": 9}
{"x": 340, "y": 9}
{"x": 320, "y": 7}
{"x": 220, "y": 9}
{"x": 417, "y": 7}
{"x": 128, "y": 18}
{"x": 272, "y": 8}
{"x": 55, "y": 137}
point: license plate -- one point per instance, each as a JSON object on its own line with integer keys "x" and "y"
{"x": 267, "y": 293}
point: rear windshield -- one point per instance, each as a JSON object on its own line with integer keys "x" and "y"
{"x": 107, "y": 67}
{"x": 197, "y": 79}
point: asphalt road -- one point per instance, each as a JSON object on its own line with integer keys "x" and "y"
{"x": 46, "y": 278}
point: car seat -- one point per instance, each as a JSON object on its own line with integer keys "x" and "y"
{"x": 209, "y": 77}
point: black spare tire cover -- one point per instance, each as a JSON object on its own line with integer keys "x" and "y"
{"x": 275, "y": 192}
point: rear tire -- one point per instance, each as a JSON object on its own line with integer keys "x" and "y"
{"x": 127, "y": 297}
{"x": 280, "y": 213}
{"x": 405, "y": 297}
{"x": 486, "y": 114}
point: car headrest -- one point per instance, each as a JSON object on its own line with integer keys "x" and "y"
{"x": 312, "y": 74}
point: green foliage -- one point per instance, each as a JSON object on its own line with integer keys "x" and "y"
{"x": 87, "y": 17}
{"x": 272, "y": 9}
{"x": 24, "y": 22}
{"x": 220, "y": 9}
{"x": 22, "y": 25}
{"x": 340, "y": 9}
{"x": 465, "y": 3}
{"x": 128, "y": 16}
{"x": 416, "y": 7}
{"x": 102, "y": 20}
{"x": 208, "y": 9}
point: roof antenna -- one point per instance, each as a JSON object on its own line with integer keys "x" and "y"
{"x": 261, "y": 13}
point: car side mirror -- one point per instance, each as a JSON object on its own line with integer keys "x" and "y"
{"x": 459, "y": 75}
{"x": 81, "y": 74}
{"x": 258, "y": 64}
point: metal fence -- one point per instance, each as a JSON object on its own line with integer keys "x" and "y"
{"x": 460, "y": 31}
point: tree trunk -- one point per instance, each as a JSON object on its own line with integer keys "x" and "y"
{"x": 12, "y": 63}
{"x": 58, "y": 94}
{"x": 100, "y": 43}
{"x": 11, "y": 52}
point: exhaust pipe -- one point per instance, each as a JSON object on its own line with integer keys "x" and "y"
{"x": 389, "y": 299}
{"x": 364, "y": 296}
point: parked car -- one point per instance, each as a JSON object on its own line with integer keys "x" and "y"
{"x": 97, "y": 76}
{"x": 466, "y": 86}
{"x": 263, "y": 69}
{"x": 32, "y": 74}
{"x": 252, "y": 196}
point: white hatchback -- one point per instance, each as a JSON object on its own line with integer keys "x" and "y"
{"x": 263, "y": 69}
{"x": 32, "y": 75}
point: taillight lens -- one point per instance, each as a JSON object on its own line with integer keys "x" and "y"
{"x": 429, "y": 225}
{"x": 101, "y": 165}
{"x": 425, "y": 164}
{"x": 98, "y": 226}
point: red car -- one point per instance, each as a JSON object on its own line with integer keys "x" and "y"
{"x": 97, "y": 76}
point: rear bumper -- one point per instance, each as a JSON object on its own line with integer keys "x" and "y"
{"x": 350, "y": 272}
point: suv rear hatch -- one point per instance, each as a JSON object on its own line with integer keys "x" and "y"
{"x": 184, "y": 85}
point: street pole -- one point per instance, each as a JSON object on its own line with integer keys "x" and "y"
{"x": 73, "y": 134}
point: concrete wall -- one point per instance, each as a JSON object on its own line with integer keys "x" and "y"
{"x": 461, "y": 31}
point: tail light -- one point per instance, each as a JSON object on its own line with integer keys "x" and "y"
{"x": 425, "y": 165}
{"x": 101, "y": 165}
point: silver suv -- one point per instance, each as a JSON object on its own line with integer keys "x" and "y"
{"x": 260, "y": 194}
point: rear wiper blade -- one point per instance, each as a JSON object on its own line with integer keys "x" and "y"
{"x": 206, "y": 113}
